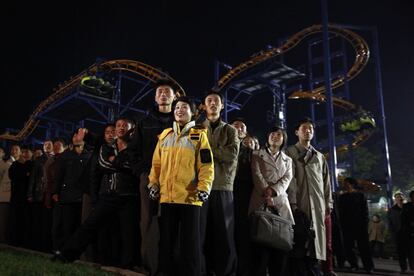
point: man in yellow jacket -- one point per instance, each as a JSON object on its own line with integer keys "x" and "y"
{"x": 181, "y": 177}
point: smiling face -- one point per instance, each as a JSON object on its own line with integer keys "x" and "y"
{"x": 305, "y": 132}
{"x": 15, "y": 152}
{"x": 275, "y": 139}
{"x": 182, "y": 113}
{"x": 164, "y": 95}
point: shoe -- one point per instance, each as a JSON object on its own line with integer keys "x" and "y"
{"x": 353, "y": 269}
{"x": 58, "y": 257}
{"x": 331, "y": 273}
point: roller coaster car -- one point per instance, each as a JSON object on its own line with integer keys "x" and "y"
{"x": 97, "y": 86}
{"x": 357, "y": 123}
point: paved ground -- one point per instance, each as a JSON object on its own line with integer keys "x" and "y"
{"x": 382, "y": 267}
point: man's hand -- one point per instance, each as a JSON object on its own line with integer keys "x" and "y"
{"x": 55, "y": 197}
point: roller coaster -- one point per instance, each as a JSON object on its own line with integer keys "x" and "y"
{"x": 258, "y": 73}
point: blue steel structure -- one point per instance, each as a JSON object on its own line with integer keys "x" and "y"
{"x": 238, "y": 88}
{"x": 74, "y": 105}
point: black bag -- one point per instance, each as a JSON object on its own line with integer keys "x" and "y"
{"x": 270, "y": 229}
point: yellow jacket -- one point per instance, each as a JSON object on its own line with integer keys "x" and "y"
{"x": 182, "y": 164}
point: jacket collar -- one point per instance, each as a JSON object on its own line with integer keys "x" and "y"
{"x": 184, "y": 130}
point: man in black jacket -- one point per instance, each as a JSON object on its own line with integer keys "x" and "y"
{"x": 143, "y": 142}
{"x": 118, "y": 195}
{"x": 71, "y": 175}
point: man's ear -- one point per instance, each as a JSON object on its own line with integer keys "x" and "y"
{"x": 222, "y": 107}
{"x": 202, "y": 107}
{"x": 296, "y": 132}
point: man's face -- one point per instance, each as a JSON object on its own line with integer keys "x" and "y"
{"x": 2, "y": 153}
{"x": 109, "y": 134}
{"x": 15, "y": 152}
{"x": 213, "y": 104}
{"x": 121, "y": 128}
{"x": 48, "y": 147}
{"x": 241, "y": 129}
{"x": 58, "y": 147}
{"x": 305, "y": 132}
{"x": 182, "y": 113}
{"x": 275, "y": 138}
{"x": 27, "y": 154}
{"x": 164, "y": 95}
{"x": 399, "y": 198}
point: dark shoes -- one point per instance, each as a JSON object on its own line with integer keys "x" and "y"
{"x": 58, "y": 257}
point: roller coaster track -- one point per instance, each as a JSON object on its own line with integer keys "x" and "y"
{"x": 318, "y": 93}
{"x": 69, "y": 86}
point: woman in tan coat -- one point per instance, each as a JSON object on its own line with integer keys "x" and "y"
{"x": 272, "y": 172}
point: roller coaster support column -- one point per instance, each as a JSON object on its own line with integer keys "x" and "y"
{"x": 378, "y": 81}
{"x": 329, "y": 101}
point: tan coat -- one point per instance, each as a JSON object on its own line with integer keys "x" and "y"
{"x": 277, "y": 175}
{"x": 376, "y": 231}
{"x": 310, "y": 190}
{"x": 5, "y": 187}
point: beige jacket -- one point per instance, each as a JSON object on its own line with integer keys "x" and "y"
{"x": 5, "y": 187}
{"x": 275, "y": 174}
{"x": 310, "y": 190}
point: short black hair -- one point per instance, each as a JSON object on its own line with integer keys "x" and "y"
{"x": 62, "y": 140}
{"x": 213, "y": 92}
{"x": 238, "y": 119}
{"x": 304, "y": 120}
{"x": 353, "y": 182}
{"x": 164, "y": 81}
{"x": 187, "y": 100}
{"x": 126, "y": 119}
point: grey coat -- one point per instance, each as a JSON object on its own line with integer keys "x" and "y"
{"x": 310, "y": 190}
{"x": 277, "y": 175}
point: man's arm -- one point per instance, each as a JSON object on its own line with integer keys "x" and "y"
{"x": 230, "y": 151}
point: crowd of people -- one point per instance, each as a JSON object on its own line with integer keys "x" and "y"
{"x": 167, "y": 194}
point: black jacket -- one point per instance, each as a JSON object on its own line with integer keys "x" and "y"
{"x": 72, "y": 175}
{"x": 115, "y": 177}
{"x": 145, "y": 138}
{"x": 37, "y": 179}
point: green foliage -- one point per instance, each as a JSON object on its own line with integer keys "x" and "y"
{"x": 19, "y": 263}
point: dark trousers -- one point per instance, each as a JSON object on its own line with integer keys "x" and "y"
{"x": 361, "y": 238}
{"x": 265, "y": 258}
{"x": 127, "y": 208}
{"x": 217, "y": 234}
{"x": 57, "y": 232}
{"x": 401, "y": 243}
{"x": 149, "y": 227}
{"x": 70, "y": 219}
{"x": 47, "y": 223}
{"x": 242, "y": 227}
{"x": 4, "y": 221}
{"x": 304, "y": 266}
{"x": 180, "y": 224}
{"x": 36, "y": 226}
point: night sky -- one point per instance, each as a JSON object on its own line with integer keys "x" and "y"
{"x": 43, "y": 46}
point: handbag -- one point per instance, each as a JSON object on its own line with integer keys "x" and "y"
{"x": 270, "y": 229}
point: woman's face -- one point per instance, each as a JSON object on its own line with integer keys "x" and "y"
{"x": 275, "y": 138}
{"x": 182, "y": 113}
